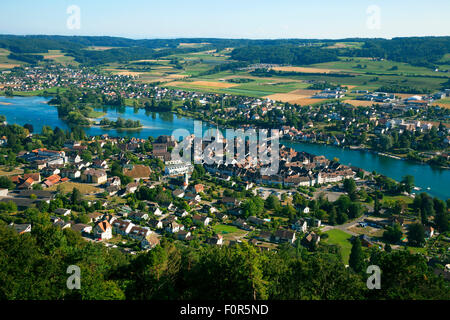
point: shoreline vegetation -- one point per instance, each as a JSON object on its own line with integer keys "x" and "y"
{"x": 121, "y": 123}
{"x": 83, "y": 112}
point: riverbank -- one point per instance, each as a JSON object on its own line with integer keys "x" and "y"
{"x": 118, "y": 128}
{"x": 32, "y": 110}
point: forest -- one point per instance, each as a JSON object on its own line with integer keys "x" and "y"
{"x": 418, "y": 51}
{"x": 33, "y": 266}
{"x": 283, "y": 55}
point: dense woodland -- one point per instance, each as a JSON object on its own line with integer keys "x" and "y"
{"x": 424, "y": 51}
{"x": 33, "y": 266}
{"x": 419, "y": 51}
{"x": 283, "y": 55}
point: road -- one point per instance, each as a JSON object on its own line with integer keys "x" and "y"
{"x": 345, "y": 226}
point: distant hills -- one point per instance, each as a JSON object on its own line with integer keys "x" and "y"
{"x": 419, "y": 51}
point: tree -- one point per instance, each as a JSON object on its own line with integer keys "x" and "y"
{"x": 75, "y": 197}
{"x": 6, "y": 183}
{"x": 231, "y": 272}
{"x": 9, "y": 92}
{"x": 355, "y": 210}
{"x": 198, "y": 172}
{"x": 406, "y": 276}
{"x": 424, "y": 205}
{"x": 341, "y": 217}
{"x": 29, "y": 127}
{"x": 299, "y": 200}
{"x": 408, "y": 183}
{"x": 376, "y": 206}
{"x": 349, "y": 186}
{"x": 441, "y": 218}
{"x": 416, "y": 234}
{"x": 289, "y": 212}
{"x": 393, "y": 234}
{"x": 252, "y": 207}
{"x": 356, "y": 260}
{"x": 385, "y": 142}
{"x": 332, "y": 216}
{"x": 34, "y": 216}
{"x": 442, "y": 221}
{"x": 388, "y": 247}
{"x": 37, "y": 186}
{"x": 272, "y": 202}
{"x": 86, "y": 155}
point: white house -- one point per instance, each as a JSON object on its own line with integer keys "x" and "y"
{"x": 122, "y": 227}
{"x": 157, "y": 224}
{"x": 103, "y": 230}
{"x": 178, "y": 193}
{"x": 139, "y": 233}
{"x": 21, "y": 228}
{"x": 300, "y": 225}
{"x": 80, "y": 227}
{"x": 62, "y": 211}
{"x": 174, "y": 227}
{"x": 157, "y": 212}
{"x": 181, "y": 213}
{"x": 139, "y": 216}
{"x": 215, "y": 240}
{"x": 191, "y": 196}
{"x": 201, "y": 220}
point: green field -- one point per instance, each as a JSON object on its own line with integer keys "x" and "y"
{"x": 341, "y": 239}
{"x": 350, "y": 64}
{"x": 224, "y": 229}
{"x": 60, "y": 57}
{"x": 37, "y": 92}
{"x": 5, "y": 61}
{"x": 229, "y": 232}
{"x": 407, "y": 200}
{"x": 354, "y": 45}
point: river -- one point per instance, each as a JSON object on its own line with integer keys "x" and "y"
{"x": 36, "y": 111}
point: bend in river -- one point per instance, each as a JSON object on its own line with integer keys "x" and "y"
{"x": 36, "y": 111}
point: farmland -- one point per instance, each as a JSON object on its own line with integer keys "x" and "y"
{"x": 359, "y": 74}
{"x": 5, "y": 62}
{"x": 199, "y": 69}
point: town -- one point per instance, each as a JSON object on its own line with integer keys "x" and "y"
{"x": 138, "y": 194}
{"x": 412, "y": 128}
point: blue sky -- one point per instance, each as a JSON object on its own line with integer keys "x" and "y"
{"x": 254, "y": 19}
